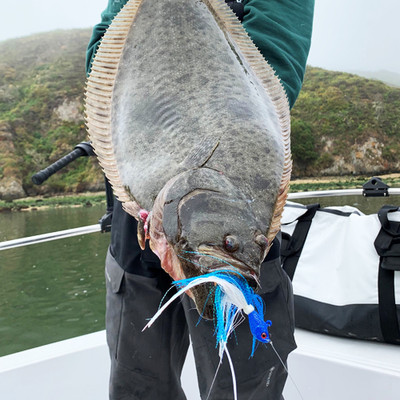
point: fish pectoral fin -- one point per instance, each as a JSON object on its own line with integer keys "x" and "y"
{"x": 201, "y": 153}
{"x": 141, "y": 234}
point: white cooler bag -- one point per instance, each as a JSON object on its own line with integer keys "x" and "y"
{"x": 345, "y": 269}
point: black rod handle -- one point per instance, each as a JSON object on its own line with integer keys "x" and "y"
{"x": 81, "y": 149}
{"x": 45, "y": 174}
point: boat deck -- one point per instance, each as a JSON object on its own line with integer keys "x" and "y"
{"x": 322, "y": 368}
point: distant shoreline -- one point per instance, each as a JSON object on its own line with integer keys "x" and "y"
{"x": 89, "y": 199}
{"x": 86, "y": 199}
{"x": 340, "y": 182}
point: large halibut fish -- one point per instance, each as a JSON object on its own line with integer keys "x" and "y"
{"x": 191, "y": 127}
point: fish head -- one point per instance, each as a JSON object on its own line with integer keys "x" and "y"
{"x": 210, "y": 226}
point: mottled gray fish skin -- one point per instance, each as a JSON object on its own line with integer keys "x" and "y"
{"x": 179, "y": 82}
{"x": 187, "y": 130}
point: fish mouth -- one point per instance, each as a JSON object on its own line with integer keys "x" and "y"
{"x": 209, "y": 259}
{"x": 222, "y": 262}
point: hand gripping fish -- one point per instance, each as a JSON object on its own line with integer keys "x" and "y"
{"x": 191, "y": 127}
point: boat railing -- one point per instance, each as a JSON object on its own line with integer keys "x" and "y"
{"x": 84, "y": 230}
{"x": 48, "y": 237}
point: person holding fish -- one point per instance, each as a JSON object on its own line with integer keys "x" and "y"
{"x": 188, "y": 112}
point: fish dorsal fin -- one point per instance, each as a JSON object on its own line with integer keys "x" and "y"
{"x": 243, "y": 45}
{"x": 99, "y": 92}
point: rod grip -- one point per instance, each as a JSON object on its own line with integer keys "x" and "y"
{"x": 44, "y": 174}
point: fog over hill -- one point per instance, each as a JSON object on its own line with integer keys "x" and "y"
{"x": 388, "y": 77}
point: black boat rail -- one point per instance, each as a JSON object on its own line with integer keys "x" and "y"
{"x": 336, "y": 192}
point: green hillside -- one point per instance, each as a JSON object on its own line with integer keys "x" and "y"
{"x": 345, "y": 124}
{"x": 42, "y": 80}
{"x": 341, "y": 123}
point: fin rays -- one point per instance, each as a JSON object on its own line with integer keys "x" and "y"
{"x": 99, "y": 91}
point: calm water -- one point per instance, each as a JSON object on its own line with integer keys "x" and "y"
{"x": 50, "y": 291}
{"x": 53, "y": 291}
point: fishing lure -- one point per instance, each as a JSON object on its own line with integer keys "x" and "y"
{"x": 233, "y": 296}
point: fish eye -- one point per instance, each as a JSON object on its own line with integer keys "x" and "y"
{"x": 231, "y": 243}
{"x": 264, "y": 336}
{"x": 262, "y": 241}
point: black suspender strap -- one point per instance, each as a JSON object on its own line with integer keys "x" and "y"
{"x": 387, "y": 306}
{"x": 387, "y": 245}
{"x": 105, "y": 220}
{"x": 237, "y": 7}
{"x": 291, "y": 250}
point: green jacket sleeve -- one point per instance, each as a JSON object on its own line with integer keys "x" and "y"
{"x": 281, "y": 29}
{"x": 113, "y": 7}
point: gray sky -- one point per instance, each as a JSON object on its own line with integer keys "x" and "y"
{"x": 348, "y": 34}
{"x": 356, "y": 34}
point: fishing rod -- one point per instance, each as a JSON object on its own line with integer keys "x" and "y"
{"x": 83, "y": 149}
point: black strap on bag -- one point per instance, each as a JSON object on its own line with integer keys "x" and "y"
{"x": 293, "y": 245}
{"x": 387, "y": 245}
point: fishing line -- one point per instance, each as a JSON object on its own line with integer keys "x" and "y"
{"x": 162, "y": 300}
{"x": 286, "y": 369}
{"x": 234, "y": 385}
{"x": 215, "y": 377}
{"x": 212, "y": 291}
